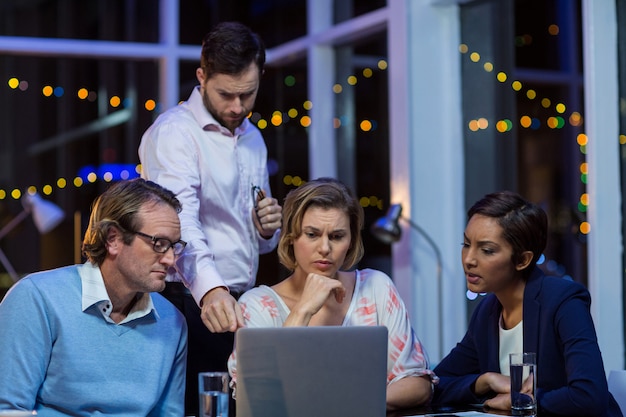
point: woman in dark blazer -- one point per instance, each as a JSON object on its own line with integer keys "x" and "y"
{"x": 526, "y": 311}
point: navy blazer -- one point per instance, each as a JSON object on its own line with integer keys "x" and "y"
{"x": 571, "y": 379}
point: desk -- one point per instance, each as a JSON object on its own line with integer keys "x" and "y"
{"x": 459, "y": 414}
{"x": 448, "y": 412}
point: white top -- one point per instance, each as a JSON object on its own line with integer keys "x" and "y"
{"x": 511, "y": 341}
{"x": 212, "y": 173}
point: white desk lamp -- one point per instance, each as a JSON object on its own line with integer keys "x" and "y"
{"x": 46, "y": 216}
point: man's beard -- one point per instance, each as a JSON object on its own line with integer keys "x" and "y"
{"x": 229, "y": 125}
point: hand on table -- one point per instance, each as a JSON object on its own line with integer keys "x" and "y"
{"x": 220, "y": 311}
{"x": 498, "y": 383}
{"x": 499, "y": 402}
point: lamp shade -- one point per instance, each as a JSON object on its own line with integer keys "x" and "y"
{"x": 46, "y": 215}
{"x": 387, "y": 229}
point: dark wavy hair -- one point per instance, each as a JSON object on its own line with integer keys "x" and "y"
{"x": 326, "y": 193}
{"x": 118, "y": 207}
{"x": 524, "y": 224}
{"x": 230, "y": 48}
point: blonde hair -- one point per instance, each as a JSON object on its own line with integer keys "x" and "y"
{"x": 326, "y": 193}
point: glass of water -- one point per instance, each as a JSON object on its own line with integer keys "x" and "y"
{"x": 213, "y": 391}
{"x": 523, "y": 373}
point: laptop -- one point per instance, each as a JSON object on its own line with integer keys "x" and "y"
{"x": 329, "y": 371}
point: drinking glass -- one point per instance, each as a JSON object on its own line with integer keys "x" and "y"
{"x": 213, "y": 391}
{"x": 523, "y": 373}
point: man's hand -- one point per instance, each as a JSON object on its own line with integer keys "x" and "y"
{"x": 268, "y": 216}
{"x": 220, "y": 311}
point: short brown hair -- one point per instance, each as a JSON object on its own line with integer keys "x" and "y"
{"x": 325, "y": 193}
{"x": 118, "y": 207}
{"x": 230, "y": 48}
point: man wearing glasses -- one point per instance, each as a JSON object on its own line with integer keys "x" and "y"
{"x": 93, "y": 338}
{"x": 215, "y": 160}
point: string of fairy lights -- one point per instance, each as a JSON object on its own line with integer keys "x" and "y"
{"x": 558, "y": 120}
{"x": 277, "y": 118}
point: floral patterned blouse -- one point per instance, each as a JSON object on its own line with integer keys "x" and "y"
{"x": 375, "y": 302}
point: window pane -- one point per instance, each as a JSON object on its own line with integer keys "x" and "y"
{"x": 113, "y": 20}
{"x": 545, "y": 32}
{"x": 523, "y": 111}
{"x": 281, "y": 114}
{"x": 362, "y": 126}
{"x": 347, "y": 9}
{"x": 67, "y": 118}
{"x": 277, "y": 21}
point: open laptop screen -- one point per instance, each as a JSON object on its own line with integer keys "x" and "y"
{"x": 330, "y": 371}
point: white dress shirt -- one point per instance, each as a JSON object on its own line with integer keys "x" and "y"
{"x": 212, "y": 173}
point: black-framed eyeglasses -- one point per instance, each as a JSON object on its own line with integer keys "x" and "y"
{"x": 162, "y": 245}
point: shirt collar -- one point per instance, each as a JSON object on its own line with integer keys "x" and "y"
{"x": 95, "y": 294}
{"x": 206, "y": 119}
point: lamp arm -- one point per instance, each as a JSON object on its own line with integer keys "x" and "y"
{"x": 5, "y": 231}
{"x": 430, "y": 241}
{"x": 435, "y": 248}
{"x": 14, "y": 222}
{"x": 7, "y": 265}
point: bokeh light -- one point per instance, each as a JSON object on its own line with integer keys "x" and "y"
{"x": 553, "y": 30}
{"x": 305, "y": 121}
{"x": 365, "y": 125}
{"x": 585, "y": 228}
{"x": 150, "y": 105}
{"x": 277, "y": 118}
{"x": 290, "y": 80}
{"x": 575, "y": 119}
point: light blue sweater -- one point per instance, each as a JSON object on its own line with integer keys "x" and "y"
{"x": 60, "y": 360}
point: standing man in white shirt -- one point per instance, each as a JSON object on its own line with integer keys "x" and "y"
{"x": 215, "y": 160}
